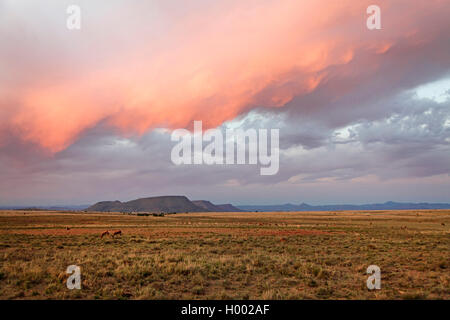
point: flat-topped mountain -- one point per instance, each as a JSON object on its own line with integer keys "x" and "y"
{"x": 162, "y": 204}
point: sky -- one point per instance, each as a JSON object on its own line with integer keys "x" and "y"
{"x": 87, "y": 115}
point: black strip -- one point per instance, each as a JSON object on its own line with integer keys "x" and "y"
{"x": 229, "y": 309}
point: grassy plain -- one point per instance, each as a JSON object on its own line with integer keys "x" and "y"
{"x": 298, "y": 255}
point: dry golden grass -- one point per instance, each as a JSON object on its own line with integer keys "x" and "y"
{"x": 299, "y": 255}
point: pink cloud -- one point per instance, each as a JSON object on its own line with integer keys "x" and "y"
{"x": 209, "y": 65}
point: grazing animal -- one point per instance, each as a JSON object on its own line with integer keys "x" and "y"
{"x": 116, "y": 233}
{"x": 106, "y": 233}
{"x": 443, "y": 224}
{"x": 67, "y": 228}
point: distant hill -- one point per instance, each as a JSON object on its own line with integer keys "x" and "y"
{"x": 390, "y": 205}
{"x": 51, "y": 208}
{"x": 207, "y": 205}
{"x": 229, "y": 208}
{"x": 161, "y": 204}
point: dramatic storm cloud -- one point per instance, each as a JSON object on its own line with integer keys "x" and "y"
{"x": 86, "y": 115}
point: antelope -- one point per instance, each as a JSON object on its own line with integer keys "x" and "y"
{"x": 106, "y": 233}
{"x": 118, "y": 232}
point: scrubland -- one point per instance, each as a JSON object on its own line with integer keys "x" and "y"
{"x": 297, "y": 255}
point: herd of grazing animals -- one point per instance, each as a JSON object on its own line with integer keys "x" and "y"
{"x": 117, "y": 232}
{"x": 107, "y": 233}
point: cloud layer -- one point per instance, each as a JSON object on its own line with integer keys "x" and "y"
{"x": 343, "y": 96}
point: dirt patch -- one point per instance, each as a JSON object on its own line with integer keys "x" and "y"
{"x": 292, "y": 232}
